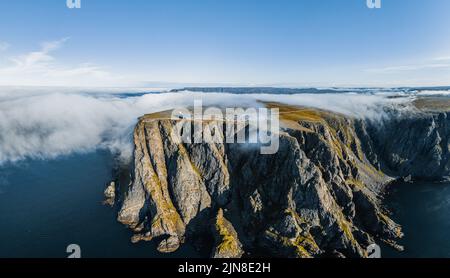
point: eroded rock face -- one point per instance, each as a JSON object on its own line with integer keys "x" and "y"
{"x": 110, "y": 194}
{"x": 417, "y": 146}
{"x": 317, "y": 196}
{"x": 227, "y": 244}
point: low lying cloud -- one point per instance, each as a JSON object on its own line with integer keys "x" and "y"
{"x": 44, "y": 124}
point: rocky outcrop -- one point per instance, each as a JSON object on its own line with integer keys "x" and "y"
{"x": 148, "y": 205}
{"x": 319, "y": 195}
{"x": 110, "y": 194}
{"x": 227, "y": 244}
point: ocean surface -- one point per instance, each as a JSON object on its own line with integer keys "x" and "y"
{"x": 423, "y": 210}
{"x": 46, "y": 205}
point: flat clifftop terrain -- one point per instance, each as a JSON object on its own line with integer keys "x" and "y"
{"x": 320, "y": 195}
{"x": 436, "y": 104}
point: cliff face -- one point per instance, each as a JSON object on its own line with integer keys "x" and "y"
{"x": 319, "y": 195}
{"x": 413, "y": 146}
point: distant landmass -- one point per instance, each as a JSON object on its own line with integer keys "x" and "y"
{"x": 279, "y": 90}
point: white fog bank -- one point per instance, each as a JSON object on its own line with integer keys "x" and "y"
{"x": 45, "y": 124}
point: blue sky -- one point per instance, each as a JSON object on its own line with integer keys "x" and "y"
{"x": 230, "y": 42}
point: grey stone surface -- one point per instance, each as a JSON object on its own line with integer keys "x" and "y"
{"x": 319, "y": 195}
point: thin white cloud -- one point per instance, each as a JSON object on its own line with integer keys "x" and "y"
{"x": 35, "y": 61}
{"x": 41, "y": 68}
{"x": 4, "y": 46}
{"x": 442, "y": 58}
{"x": 405, "y": 68}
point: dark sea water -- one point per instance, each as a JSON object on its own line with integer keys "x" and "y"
{"x": 47, "y": 205}
{"x": 423, "y": 210}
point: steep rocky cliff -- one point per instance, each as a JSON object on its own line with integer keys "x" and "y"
{"x": 414, "y": 144}
{"x": 319, "y": 195}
